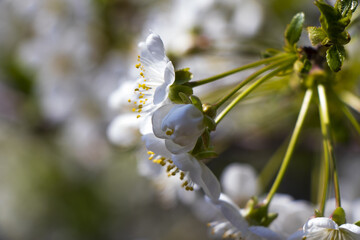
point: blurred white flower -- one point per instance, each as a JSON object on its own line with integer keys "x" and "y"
{"x": 234, "y": 225}
{"x": 323, "y": 228}
{"x": 180, "y": 125}
{"x": 157, "y": 74}
{"x": 291, "y": 214}
{"x": 123, "y": 131}
{"x": 239, "y": 182}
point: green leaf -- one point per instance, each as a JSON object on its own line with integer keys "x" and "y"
{"x": 335, "y": 57}
{"x": 330, "y": 20}
{"x": 317, "y": 36}
{"x": 197, "y": 102}
{"x": 185, "y": 98}
{"x": 174, "y": 91}
{"x": 346, "y": 7}
{"x": 293, "y": 30}
{"x": 183, "y": 76}
{"x": 206, "y": 154}
{"x": 338, "y": 216}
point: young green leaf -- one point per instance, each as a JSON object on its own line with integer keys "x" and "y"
{"x": 346, "y": 7}
{"x": 317, "y": 36}
{"x": 183, "y": 76}
{"x": 176, "y": 89}
{"x": 335, "y": 57}
{"x": 196, "y": 101}
{"x": 293, "y": 30}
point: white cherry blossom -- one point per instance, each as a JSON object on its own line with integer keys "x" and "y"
{"x": 156, "y": 76}
{"x": 180, "y": 125}
{"x": 323, "y": 228}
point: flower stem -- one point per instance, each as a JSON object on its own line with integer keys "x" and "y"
{"x": 291, "y": 147}
{"x": 326, "y": 173}
{"x": 251, "y": 77}
{"x": 351, "y": 118}
{"x": 236, "y": 70}
{"x": 351, "y": 100}
{"x": 247, "y": 92}
{"x": 325, "y": 126}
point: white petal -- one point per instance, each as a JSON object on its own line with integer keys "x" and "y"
{"x": 211, "y": 185}
{"x": 298, "y": 235}
{"x": 162, "y": 91}
{"x": 145, "y": 125}
{"x": 319, "y": 224}
{"x": 265, "y": 232}
{"x": 177, "y": 149}
{"x": 351, "y": 228}
{"x": 157, "y": 119}
{"x": 232, "y": 213}
{"x": 156, "y": 145}
{"x": 186, "y": 163}
{"x": 155, "y": 46}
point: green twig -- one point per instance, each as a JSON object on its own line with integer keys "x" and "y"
{"x": 247, "y": 92}
{"x": 236, "y": 70}
{"x": 325, "y": 126}
{"x": 291, "y": 147}
{"x": 251, "y": 77}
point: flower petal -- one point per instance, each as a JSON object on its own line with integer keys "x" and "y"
{"x": 162, "y": 91}
{"x": 351, "y": 229}
{"x": 298, "y": 235}
{"x": 155, "y": 46}
{"x": 232, "y": 213}
{"x": 157, "y": 119}
{"x": 177, "y": 149}
{"x": 210, "y": 185}
{"x": 265, "y": 232}
{"x": 319, "y": 224}
{"x": 156, "y": 145}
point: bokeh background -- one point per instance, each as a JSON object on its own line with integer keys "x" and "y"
{"x": 60, "y": 61}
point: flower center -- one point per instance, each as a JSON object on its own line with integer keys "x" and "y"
{"x": 172, "y": 170}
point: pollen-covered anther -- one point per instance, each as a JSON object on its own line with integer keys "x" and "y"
{"x": 169, "y": 132}
{"x": 138, "y": 65}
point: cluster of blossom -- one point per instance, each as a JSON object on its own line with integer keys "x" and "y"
{"x": 171, "y": 131}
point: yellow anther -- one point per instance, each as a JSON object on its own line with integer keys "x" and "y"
{"x": 135, "y": 102}
{"x": 136, "y": 89}
{"x": 138, "y": 65}
{"x": 182, "y": 175}
{"x": 169, "y": 132}
{"x": 150, "y": 152}
{"x": 140, "y": 106}
{"x": 133, "y": 109}
{"x": 151, "y": 157}
{"x": 138, "y": 116}
{"x": 129, "y": 100}
{"x": 184, "y": 184}
{"x": 142, "y": 74}
{"x": 141, "y": 96}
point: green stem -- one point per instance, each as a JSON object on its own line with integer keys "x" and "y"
{"x": 291, "y": 147}
{"x": 251, "y": 77}
{"x": 326, "y": 174}
{"x": 247, "y": 92}
{"x": 325, "y": 124}
{"x": 351, "y": 100}
{"x": 236, "y": 70}
{"x": 351, "y": 118}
